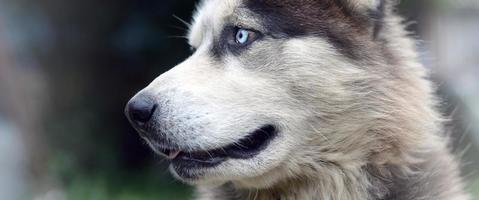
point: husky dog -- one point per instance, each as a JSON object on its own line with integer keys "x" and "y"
{"x": 299, "y": 99}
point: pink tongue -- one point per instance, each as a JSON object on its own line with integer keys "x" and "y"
{"x": 173, "y": 154}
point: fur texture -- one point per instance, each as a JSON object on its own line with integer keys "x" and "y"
{"x": 341, "y": 81}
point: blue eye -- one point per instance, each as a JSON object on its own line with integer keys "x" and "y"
{"x": 242, "y": 36}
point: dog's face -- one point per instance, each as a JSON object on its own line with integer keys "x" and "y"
{"x": 267, "y": 79}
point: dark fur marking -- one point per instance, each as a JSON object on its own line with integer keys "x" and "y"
{"x": 220, "y": 45}
{"x": 330, "y": 19}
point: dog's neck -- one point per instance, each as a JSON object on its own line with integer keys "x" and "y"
{"x": 434, "y": 178}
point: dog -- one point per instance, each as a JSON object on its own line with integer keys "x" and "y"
{"x": 300, "y": 99}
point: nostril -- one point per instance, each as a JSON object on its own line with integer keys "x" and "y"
{"x": 140, "y": 110}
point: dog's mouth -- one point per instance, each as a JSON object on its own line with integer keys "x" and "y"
{"x": 245, "y": 148}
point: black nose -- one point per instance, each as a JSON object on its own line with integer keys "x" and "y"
{"x": 140, "y": 110}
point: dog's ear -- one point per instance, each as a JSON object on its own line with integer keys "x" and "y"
{"x": 366, "y": 5}
{"x": 375, "y": 10}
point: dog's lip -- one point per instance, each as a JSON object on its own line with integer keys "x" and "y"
{"x": 173, "y": 154}
{"x": 248, "y": 147}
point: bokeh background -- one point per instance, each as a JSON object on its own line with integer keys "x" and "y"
{"x": 68, "y": 67}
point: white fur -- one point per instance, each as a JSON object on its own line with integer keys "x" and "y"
{"x": 335, "y": 114}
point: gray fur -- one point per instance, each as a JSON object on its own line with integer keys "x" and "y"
{"x": 355, "y": 111}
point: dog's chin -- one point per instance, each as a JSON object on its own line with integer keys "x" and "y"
{"x": 241, "y": 174}
{"x": 196, "y": 166}
{"x": 199, "y": 176}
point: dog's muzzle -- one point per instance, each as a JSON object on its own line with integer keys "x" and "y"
{"x": 141, "y": 111}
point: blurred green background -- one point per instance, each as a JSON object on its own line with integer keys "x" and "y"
{"x": 67, "y": 68}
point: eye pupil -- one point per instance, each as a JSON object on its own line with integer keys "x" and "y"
{"x": 242, "y": 36}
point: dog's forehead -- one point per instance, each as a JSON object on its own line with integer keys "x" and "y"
{"x": 210, "y": 18}
{"x": 344, "y": 23}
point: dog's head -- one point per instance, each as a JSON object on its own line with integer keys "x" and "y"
{"x": 271, "y": 86}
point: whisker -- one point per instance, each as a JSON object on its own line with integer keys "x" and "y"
{"x": 239, "y": 145}
{"x": 178, "y": 27}
{"x": 209, "y": 154}
{"x": 177, "y": 37}
{"x": 223, "y": 149}
{"x": 182, "y": 21}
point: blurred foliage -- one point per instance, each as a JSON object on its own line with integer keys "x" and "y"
{"x": 151, "y": 182}
{"x": 98, "y": 54}
{"x": 124, "y": 187}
